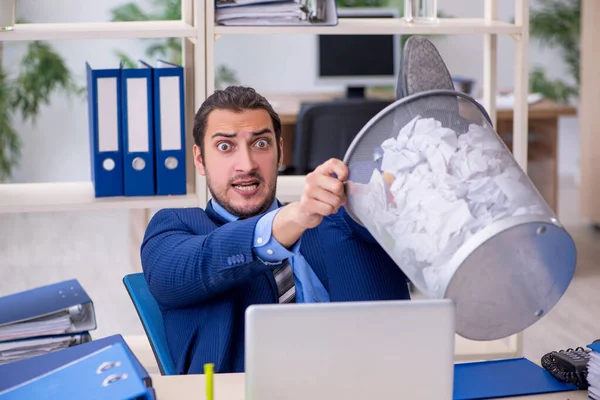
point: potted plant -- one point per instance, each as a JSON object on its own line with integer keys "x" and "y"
{"x": 23, "y": 93}
{"x": 557, "y": 24}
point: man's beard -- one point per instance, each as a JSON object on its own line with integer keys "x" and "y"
{"x": 243, "y": 213}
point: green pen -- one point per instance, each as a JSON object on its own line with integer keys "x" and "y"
{"x": 208, "y": 373}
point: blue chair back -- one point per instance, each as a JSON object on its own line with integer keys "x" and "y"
{"x": 151, "y": 319}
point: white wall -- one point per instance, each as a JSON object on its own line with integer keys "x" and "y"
{"x": 282, "y": 63}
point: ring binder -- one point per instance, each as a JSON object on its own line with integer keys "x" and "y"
{"x": 107, "y": 373}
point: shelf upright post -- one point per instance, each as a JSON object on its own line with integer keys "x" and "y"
{"x": 490, "y": 58}
{"x": 521, "y": 84}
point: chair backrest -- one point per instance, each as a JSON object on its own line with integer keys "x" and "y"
{"x": 326, "y": 129}
{"x": 151, "y": 318}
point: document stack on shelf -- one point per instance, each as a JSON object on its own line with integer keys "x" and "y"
{"x": 137, "y": 130}
{"x": 275, "y": 12}
{"x": 44, "y": 319}
{"x": 593, "y": 371}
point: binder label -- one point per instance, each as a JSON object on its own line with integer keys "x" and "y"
{"x": 108, "y": 116}
{"x": 137, "y": 115}
{"x": 170, "y": 108}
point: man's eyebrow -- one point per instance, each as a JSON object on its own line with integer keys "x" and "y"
{"x": 232, "y": 135}
{"x": 221, "y": 134}
{"x": 262, "y": 132}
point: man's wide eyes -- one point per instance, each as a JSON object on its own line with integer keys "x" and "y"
{"x": 226, "y": 146}
{"x": 223, "y": 146}
{"x": 262, "y": 143}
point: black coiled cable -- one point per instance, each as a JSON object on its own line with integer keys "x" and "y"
{"x": 578, "y": 379}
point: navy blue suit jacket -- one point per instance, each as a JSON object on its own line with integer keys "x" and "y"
{"x": 203, "y": 297}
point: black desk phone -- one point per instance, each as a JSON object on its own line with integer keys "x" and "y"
{"x": 568, "y": 366}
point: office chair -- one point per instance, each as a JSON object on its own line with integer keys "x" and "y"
{"x": 326, "y": 129}
{"x": 151, "y": 319}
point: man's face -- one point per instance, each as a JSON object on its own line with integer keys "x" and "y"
{"x": 240, "y": 160}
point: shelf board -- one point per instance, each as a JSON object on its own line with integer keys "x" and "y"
{"x": 446, "y": 26}
{"x": 74, "y": 196}
{"x": 99, "y": 30}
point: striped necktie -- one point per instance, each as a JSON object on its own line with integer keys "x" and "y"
{"x": 284, "y": 277}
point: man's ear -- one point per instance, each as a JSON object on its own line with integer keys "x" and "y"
{"x": 280, "y": 153}
{"x": 198, "y": 162}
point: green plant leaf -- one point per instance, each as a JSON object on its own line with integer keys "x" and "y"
{"x": 556, "y": 90}
{"x": 127, "y": 61}
{"x": 557, "y": 24}
{"x": 42, "y": 71}
{"x": 128, "y": 12}
{"x": 10, "y": 143}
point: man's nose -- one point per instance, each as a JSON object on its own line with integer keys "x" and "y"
{"x": 245, "y": 161}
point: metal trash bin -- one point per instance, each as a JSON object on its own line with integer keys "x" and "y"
{"x": 447, "y": 201}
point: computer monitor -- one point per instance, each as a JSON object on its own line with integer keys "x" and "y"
{"x": 358, "y": 60}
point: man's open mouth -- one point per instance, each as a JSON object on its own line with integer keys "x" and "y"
{"x": 246, "y": 186}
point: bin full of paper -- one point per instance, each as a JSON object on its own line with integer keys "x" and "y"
{"x": 442, "y": 194}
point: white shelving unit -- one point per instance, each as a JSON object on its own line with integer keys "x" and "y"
{"x": 199, "y": 35}
{"x": 69, "y": 196}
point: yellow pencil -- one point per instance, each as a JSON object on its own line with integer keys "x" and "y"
{"x": 208, "y": 373}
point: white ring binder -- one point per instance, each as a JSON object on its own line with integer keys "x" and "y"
{"x": 108, "y": 164}
{"x": 107, "y": 365}
{"x": 138, "y": 164}
{"x": 113, "y": 378}
{"x": 171, "y": 162}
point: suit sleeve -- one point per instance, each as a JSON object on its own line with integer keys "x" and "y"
{"x": 189, "y": 262}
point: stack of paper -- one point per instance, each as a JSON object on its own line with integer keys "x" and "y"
{"x": 268, "y": 12}
{"x": 13, "y": 351}
{"x": 593, "y": 371}
{"x": 54, "y": 324}
{"x": 44, "y": 319}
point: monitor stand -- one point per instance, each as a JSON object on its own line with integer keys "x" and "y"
{"x": 355, "y": 92}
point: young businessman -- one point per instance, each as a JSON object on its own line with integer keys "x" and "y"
{"x": 205, "y": 267}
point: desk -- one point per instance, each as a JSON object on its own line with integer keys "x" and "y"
{"x": 543, "y": 133}
{"x": 231, "y": 387}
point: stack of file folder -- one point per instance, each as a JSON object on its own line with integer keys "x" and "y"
{"x": 593, "y": 371}
{"x": 101, "y": 369}
{"x": 44, "y": 319}
{"x": 137, "y": 130}
{"x": 275, "y": 12}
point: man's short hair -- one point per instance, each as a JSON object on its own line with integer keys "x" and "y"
{"x": 236, "y": 99}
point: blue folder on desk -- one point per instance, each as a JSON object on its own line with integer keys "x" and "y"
{"x": 15, "y": 373}
{"x": 55, "y": 309}
{"x": 107, "y": 373}
{"x": 503, "y": 378}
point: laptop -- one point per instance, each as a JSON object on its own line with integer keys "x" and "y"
{"x": 350, "y": 351}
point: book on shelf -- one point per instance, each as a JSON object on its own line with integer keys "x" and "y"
{"x": 275, "y": 12}
{"x": 44, "y": 319}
